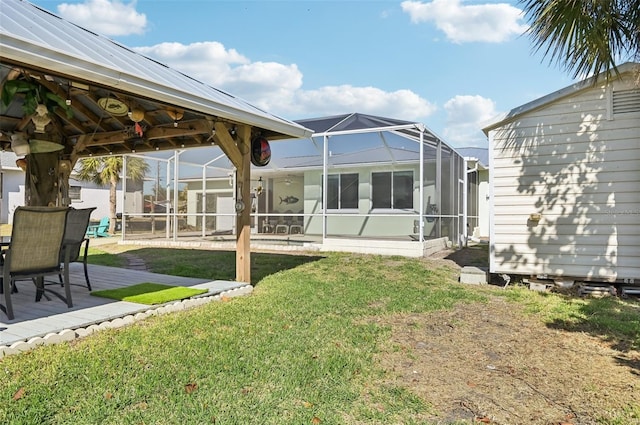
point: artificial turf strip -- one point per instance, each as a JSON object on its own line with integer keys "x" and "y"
{"x": 149, "y": 293}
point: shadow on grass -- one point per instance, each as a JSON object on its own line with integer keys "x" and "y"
{"x": 475, "y": 255}
{"x": 215, "y": 265}
{"x": 614, "y": 321}
{"x": 106, "y": 259}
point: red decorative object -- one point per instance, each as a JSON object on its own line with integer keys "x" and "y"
{"x": 260, "y": 151}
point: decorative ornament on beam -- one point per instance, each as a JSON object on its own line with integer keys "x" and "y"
{"x": 19, "y": 144}
{"x": 176, "y": 116}
{"x": 260, "y": 151}
{"x": 136, "y": 115}
{"x": 22, "y": 163}
{"x": 41, "y": 118}
{"x": 44, "y": 146}
{"x": 113, "y": 106}
{"x": 259, "y": 188}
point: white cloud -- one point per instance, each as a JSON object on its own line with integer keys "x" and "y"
{"x": 277, "y": 87}
{"x": 466, "y": 116}
{"x": 492, "y": 23}
{"x": 268, "y": 85}
{"x": 402, "y": 104}
{"x": 107, "y": 17}
{"x": 207, "y": 61}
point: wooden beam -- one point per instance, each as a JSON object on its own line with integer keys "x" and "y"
{"x": 227, "y": 144}
{"x": 57, "y": 90}
{"x": 243, "y": 219}
{"x": 165, "y": 131}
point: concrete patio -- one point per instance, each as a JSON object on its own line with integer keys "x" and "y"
{"x": 45, "y": 321}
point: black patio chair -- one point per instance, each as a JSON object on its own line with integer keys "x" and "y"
{"x": 34, "y": 252}
{"x": 75, "y": 241}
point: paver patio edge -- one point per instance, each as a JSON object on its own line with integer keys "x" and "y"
{"x": 118, "y": 322}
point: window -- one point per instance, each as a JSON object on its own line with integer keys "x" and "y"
{"x": 392, "y": 190}
{"x": 342, "y": 191}
{"x": 74, "y": 193}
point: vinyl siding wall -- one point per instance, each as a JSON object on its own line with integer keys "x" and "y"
{"x": 576, "y": 164}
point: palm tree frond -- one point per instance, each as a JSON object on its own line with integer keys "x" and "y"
{"x": 585, "y": 36}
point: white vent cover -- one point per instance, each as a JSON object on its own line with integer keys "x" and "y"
{"x": 625, "y": 101}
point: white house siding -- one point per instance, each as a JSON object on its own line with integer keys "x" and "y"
{"x": 577, "y": 165}
{"x": 13, "y": 194}
{"x": 98, "y": 198}
{"x": 217, "y": 192}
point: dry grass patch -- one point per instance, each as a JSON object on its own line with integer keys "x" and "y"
{"x": 492, "y": 362}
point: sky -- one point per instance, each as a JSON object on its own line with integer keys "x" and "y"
{"x": 453, "y": 65}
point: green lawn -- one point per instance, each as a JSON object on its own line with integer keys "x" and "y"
{"x": 299, "y": 350}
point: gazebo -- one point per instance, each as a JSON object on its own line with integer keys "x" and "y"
{"x": 68, "y": 93}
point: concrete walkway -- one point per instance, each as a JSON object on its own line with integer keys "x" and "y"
{"x": 134, "y": 262}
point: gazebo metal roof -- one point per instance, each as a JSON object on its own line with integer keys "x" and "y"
{"x": 82, "y": 67}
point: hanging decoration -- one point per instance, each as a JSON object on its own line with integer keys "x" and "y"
{"x": 138, "y": 130}
{"x": 21, "y": 163}
{"x": 258, "y": 189}
{"x": 136, "y": 115}
{"x": 113, "y": 106}
{"x": 20, "y": 144}
{"x": 260, "y": 151}
{"x": 254, "y": 203}
{"x": 175, "y": 116}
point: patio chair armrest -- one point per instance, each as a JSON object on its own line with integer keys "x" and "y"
{"x": 85, "y": 241}
{"x": 4, "y": 247}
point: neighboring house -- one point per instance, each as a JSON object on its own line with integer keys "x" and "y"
{"x": 564, "y": 183}
{"x": 373, "y": 179}
{"x": 12, "y": 183}
{"x": 82, "y": 194}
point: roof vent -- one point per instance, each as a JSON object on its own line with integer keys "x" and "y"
{"x": 625, "y": 101}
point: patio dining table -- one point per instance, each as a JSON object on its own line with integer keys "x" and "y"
{"x": 5, "y": 232}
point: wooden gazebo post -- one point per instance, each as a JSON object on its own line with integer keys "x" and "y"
{"x": 239, "y": 153}
{"x": 243, "y": 219}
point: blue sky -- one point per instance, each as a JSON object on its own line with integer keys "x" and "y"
{"x": 453, "y": 65}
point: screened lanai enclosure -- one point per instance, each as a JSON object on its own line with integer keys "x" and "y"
{"x": 360, "y": 183}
